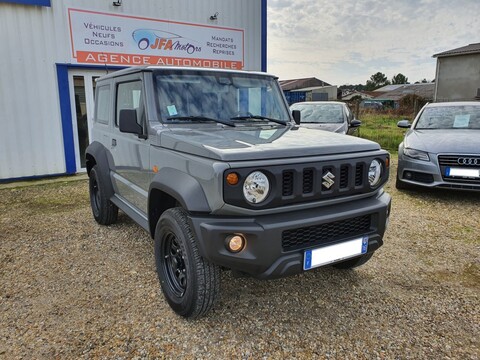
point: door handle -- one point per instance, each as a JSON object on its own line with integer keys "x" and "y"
{"x": 114, "y": 142}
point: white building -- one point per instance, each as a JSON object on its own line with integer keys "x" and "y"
{"x": 52, "y": 51}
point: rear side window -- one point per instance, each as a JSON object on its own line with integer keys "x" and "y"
{"x": 103, "y": 102}
{"x": 129, "y": 96}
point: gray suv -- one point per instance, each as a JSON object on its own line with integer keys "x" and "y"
{"x": 213, "y": 165}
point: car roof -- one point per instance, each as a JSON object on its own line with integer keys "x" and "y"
{"x": 319, "y": 102}
{"x": 454, "y": 103}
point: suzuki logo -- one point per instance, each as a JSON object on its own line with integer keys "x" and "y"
{"x": 328, "y": 180}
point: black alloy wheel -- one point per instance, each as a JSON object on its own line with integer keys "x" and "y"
{"x": 176, "y": 272}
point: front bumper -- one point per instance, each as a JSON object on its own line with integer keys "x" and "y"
{"x": 429, "y": 174}
{"x": 268, "y": 255}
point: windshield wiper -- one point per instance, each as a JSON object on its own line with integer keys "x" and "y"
{"x": 201, "y": 118}
{"x": 259, "y": 117}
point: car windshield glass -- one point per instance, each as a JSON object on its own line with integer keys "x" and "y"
{"x": 450, "y": 117}
{"x": 223, "y": 97}
{"x": 320, "y": 113}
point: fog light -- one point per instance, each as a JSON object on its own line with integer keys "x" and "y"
{"x": 235, "y": 243}
{"x": 408, "y": 175}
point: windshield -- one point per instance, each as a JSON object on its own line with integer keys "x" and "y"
{"x": 450, "y": 117}
{"x": 186, "y": 96}
{"x": 320, "y": 113}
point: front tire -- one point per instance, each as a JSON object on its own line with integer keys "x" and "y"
{"x": 189, "y": 282}
{"x": 104, "y": 211}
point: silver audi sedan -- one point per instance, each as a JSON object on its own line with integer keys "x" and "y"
{"x": 441, "y": 148}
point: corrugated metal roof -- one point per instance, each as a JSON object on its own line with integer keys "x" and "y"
{"x": 424, "y": 90}
{"x": 295, "y": 84}
{"x": 464, "y": 50}
{"x": 389, "y": 88}
{"x": 312, "y": 88}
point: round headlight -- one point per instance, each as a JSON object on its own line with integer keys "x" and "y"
{"x": 374, "y": 173}
{"x": 256, "y": 187}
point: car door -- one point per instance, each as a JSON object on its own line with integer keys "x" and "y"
{"x": 130, "y": 152}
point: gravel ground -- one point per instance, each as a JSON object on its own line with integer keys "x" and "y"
{"x": 70, "y": 288}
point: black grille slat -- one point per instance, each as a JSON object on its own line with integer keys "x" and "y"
{"x": 343, "y": 176}
{"x": 448, "y": 160}
{"x": 305, "y": 237}
{"x": 359, "y": 174}
{"x": 308, "y": 181}
{"x": 287, "y": 184}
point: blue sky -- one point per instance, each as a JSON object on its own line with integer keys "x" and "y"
{"x": 346, "y": 42}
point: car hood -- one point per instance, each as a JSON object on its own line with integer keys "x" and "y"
{"x": 258, "y": 143}
{"x": 338, "y": 128}
{"x": 444, "y": 141}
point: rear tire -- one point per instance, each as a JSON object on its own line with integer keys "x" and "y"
{"x": 189, "y": 282}
{"x": 353, "y": 263}
{"x": 104, "y": 211}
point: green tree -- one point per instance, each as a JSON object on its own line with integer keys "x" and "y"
{"x": 376, "y": 81}
{"x": 399, "y": 79}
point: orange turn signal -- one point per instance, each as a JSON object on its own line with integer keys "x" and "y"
{"x": 232, "y": 179}
{"x": 387, "y": 162}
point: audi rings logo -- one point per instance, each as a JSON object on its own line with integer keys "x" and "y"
{"x": 468, "y": 161}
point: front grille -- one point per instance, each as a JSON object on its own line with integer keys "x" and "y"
{"x": 459, "y": 161}
{"x": 307, "y": 182}
{"x": 453, "y": 160}
{"x": 346, "y": 177}
{"x": 305, "y": 237}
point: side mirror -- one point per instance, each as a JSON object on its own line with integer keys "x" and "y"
{"x": 127, "y": 122}
{"x": 404, "y": 124}
{"x": 297, "y": 115}
{"x": 355, "y": 123}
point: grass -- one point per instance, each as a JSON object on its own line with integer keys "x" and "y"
{"x": 382, "y": 128}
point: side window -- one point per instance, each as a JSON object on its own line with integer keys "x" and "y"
{"x": 129, "y": 96}
{"x": 103, "y": 104}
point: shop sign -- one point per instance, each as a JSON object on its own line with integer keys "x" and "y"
{"x": 111, "y": 39}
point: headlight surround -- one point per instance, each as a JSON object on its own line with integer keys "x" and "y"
{"x": 374, "y": 173}
{"x": 256, "y": 187}
{"x": 416, "y": 154}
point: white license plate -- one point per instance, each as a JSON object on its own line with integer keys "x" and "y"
{"x": 473, "y": 173}
{"x": 333, "y": 253}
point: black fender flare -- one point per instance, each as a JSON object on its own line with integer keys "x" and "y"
{"x": 100, "y": 155}
{"x": 183, "y": 187}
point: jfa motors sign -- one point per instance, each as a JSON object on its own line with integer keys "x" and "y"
{"x": 102, "y": 38}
